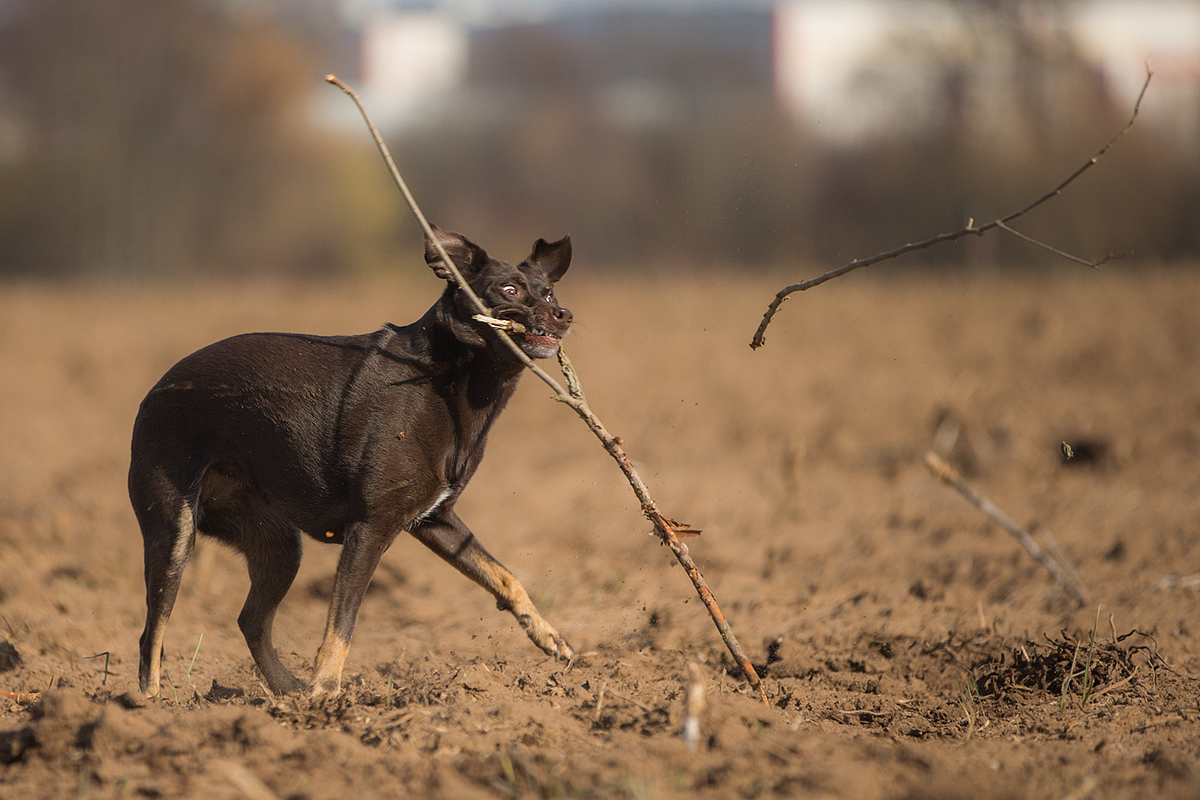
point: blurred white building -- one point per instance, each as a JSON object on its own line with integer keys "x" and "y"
{"x": 411, "y": 62}
{"x": 854, "y": 69}
{"x": 846, "y": 70}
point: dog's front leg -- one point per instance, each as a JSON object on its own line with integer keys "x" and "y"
{"x": 446, "y": 535}
{"x": 361, "y": 552}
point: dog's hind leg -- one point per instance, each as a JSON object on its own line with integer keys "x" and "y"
{"x": 168, "y": 524}
{"x": 272, "y": 559}
{"x": 232, "y": 510}
{"x": 447, "y": 536}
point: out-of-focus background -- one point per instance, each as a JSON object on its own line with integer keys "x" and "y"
{"x": 150, "y": 139}
{"x": 176, "y": 171}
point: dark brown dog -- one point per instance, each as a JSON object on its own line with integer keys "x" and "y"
{"x": 350, "y": 439}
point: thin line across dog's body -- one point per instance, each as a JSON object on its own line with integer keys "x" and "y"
{"x": 258, "y": 439}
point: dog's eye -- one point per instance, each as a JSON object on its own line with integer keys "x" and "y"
{"x": 510, "y": 290}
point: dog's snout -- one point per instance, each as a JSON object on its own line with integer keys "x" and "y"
{"x": 563, "y": 315}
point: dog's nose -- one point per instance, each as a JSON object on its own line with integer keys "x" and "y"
{"x": 563, "y": 315}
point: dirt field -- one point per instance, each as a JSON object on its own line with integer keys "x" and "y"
{"x": 911, "y": 648}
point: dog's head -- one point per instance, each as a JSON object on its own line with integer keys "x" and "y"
{"x": 522, "y": 293}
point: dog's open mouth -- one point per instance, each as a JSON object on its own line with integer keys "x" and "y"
{"x": 539, "y": 343}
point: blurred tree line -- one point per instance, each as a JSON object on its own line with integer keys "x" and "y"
{"x": 144, "y": 138}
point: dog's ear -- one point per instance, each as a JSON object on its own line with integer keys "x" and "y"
{"x": 552, "y": 257}
{"x": 468, "y": 256}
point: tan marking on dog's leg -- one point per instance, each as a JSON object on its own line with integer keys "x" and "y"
{"x": 512, "y": 596}
{"x": 360, "y": 556}
{"x": 331, "y": 659}
{"x": 453, "y": 541}
{"x": 153, "y": 670}
{"x": 150, "y": 677}
{"x": 181, "y": 550}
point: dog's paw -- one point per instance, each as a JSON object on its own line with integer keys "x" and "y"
{"x": 562, "y": 649}
{"x": 321, "y": 690}
{"x": 288, "y": 684}
{"x": 545, "y": 637}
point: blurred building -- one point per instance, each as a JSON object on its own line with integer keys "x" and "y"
{"x": 411, "y": 63}
{"x": 632, "y": 66}
{"x": 842, "y": 69}
{"x": 849, "y": 69}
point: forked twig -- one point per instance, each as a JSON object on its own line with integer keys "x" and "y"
{"x": 1061, "y": 253}
{"x": 949, "y": 475}
{"x": 978, "y": 230}
{"x": 667, "y": 529}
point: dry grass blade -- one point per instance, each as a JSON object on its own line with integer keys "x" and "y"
{"x": 668, "y": 530}
{"x": 971, "y": 230}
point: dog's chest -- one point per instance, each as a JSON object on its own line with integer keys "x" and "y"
{"x": 432, "y": 508}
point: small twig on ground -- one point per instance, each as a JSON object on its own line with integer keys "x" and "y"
{"x": 971, "y": 229}
{"x": 861, "y": 712}
{"x": 1169, "y": 582}
{"x": 627, "y": 699}
{"x": 1115, "y": 685}
{"x": 188, "y": 676}
{"x": 949, "y": 475}
{"x": 600, "y": 702}
{"x": 1059, "y": 556}
{"x": 694, "y": 709}
{"x": 667, "y": 529}
{"x": 22, "y": 698}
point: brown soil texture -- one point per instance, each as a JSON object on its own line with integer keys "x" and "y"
{"x": 910, "y": 647}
